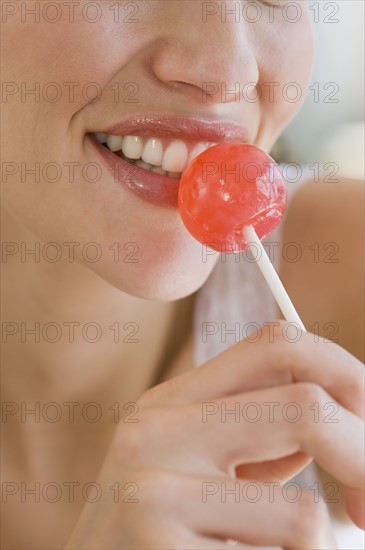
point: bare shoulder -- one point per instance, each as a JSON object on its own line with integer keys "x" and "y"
{"x": 326, "y": 223}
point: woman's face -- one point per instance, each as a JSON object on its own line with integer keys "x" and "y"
{"x": 163, "y": 69}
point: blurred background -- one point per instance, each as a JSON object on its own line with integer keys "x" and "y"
{"x": 330, "y": 126}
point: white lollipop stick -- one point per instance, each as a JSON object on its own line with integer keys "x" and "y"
{"x": 271, "y": 277}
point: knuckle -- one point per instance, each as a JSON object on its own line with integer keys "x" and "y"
{"x": 313, "y": 400}
{"x": 288, "y": 348}
{"x": 155, "y": 494}
{"x": 310, "y": 517}
{"x": 147, "y": 441}
{"x": 150, "y": 397}
{"x": 164, "y": 536}
{"x": 156, "y": 488}
{"x": 273, "y": 331}
{"x": 309, "y": 393}
{"x": 131, "y": 439}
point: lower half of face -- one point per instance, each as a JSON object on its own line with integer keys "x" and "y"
{"x": 65, "y": 187}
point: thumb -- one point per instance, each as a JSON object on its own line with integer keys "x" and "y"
{"x": 354, "y": 500}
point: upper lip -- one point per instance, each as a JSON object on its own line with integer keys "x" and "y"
{"x": 184, "y": 127}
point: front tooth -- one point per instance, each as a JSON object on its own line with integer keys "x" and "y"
{"x": 132, "y": 147}
{"x": 101, "y": 137}
{"x": 175, "y": 157}
{"x": 114, "y": 143}
{"x": 153, "y": 152}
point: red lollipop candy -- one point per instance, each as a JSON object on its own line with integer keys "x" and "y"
{"x": 231, "y": 196}
{"x": 227, "y": 187}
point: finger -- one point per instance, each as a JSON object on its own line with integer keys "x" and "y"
{"x": 270, "y": 424}
{"x": 337, "y": 445}
{"x": 268, "y": 359}
{"x": 182, "y": 539}
{"x": 208, "y": 543}
{"x": 235, "y": 509}
{"x": 218, "y": 444}
{"x": 254, "y": 427}
{"x": 355, "y": 506}
{"x": 275, "y": 470}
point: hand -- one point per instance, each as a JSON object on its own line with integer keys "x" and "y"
{"x": 180, "y": 451}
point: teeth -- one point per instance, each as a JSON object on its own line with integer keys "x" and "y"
{"x": 132, "y": 147}
{"x": 175, "y": 156}
{"x": 153, "y": 152}
{"x": 114, "y": 143}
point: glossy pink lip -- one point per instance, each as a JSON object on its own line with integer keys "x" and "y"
{"x": 178, "y": 126}
{"x": 156, "y": 189}
{"x": 151, "y": 187}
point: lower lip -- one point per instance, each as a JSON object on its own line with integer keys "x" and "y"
{"x": 153, "y": 188}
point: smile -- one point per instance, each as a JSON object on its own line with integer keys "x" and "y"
{"x": 161, "y": 156}
{"x": 148, "y": 153}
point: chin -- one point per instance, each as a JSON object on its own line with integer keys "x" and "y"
{"x": 158, "y": 274}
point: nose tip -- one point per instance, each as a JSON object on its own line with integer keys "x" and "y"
{"x": 205, "y": 69}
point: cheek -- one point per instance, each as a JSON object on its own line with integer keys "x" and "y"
{"x": 285, "y": 63}
{"x": 46, "y": 89}
{"x": 55, "y": 70}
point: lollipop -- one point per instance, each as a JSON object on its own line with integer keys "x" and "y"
{"x": 231, "y": 196}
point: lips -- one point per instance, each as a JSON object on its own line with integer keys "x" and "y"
{"x": 148, "y": 181}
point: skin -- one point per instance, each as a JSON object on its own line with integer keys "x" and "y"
{"x": 169, "y": 452}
